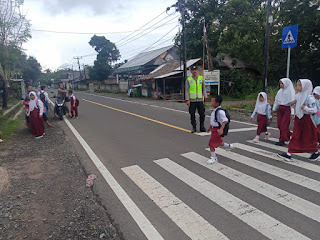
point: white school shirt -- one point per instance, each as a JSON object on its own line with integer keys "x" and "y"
{"x": 311, "y": 107}
{"x": 276, "y": 106}
{"x": 221, "y": 117}
{"x": 262, "y": 112}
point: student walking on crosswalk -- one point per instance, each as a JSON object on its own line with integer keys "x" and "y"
{"x": 218, "y": 121}
{"x": 263, "y": 109}
{"x": 304, "y": 136}
{"x": 316, "y": 94}
{"x": 282, "y": 106}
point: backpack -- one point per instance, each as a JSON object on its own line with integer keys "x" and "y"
{"x": 267, "y": 113}
{"x": 42, "y": 97}
{"x": 315, "y": 117}
{"x": 77, "y": 102}
{"x": 226, "y": 127}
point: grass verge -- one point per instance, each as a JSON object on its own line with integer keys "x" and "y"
{"x": 8, "y": 126}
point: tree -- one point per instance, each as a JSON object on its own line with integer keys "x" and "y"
{"x": 107, "y": 54}
{"x": 14, "y": 30}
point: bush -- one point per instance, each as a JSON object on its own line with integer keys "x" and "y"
{"x": 243, "y": 84}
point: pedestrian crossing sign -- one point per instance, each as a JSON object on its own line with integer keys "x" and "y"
{"x": 290, "y": 36}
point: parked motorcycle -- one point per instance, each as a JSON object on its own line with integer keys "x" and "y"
{"x": 59, "y": 108}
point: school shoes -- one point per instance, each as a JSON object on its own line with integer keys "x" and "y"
{"x": 231, "y": 147}
{"x": 280, "y": 143}
{"x": 1, "y": 140}
{"x": 37, "y": 137}
{"x": 314, "y": 157}
{"x": 212, "y": 160}
{"x": 194, "y": 129}
{"x": 284, "y": 156}
{"x": 202, "y": 128}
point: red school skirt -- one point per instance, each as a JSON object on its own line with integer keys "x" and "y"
{"x": 318, "y": 133}
{"x": 215, "y": 139}
{"x": 262, "y": 124}
{"x": 304, "y": 137}
{"x": 37, "y": 125}
{"x": 284, "y": 114}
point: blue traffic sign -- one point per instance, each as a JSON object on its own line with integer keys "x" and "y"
{"x": 290, "y": 36}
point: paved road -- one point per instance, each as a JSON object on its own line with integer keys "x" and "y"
{"x": 169, "y": 190}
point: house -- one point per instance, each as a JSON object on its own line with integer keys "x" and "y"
{"x": 144, "y": 63}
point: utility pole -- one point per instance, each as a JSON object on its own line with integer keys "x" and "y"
{"x": 84, "y": 71}
{"x": 180, "y": 6}
{"x": 266, "y": 47}
{"x": 78, "y": 58}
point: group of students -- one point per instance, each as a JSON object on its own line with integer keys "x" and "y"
{"x": 303, "y": 107}
{"x": 37, "y": 109}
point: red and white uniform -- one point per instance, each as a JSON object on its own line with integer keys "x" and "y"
{"x": 260, "y": 109}
{"x": 216, "y": 139}
{"x": 36, "y": 115}
{"x": 284, "y": 111}
{"x": 74, "y": 107}
{"x": 304, "y": 137}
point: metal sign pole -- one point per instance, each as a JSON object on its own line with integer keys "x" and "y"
{"x": 288, "y": 62}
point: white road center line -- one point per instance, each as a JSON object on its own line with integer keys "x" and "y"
{"x": 263, "y": 223}
{"x": 285, "y": 198}
{"x": 276, "y": 171}
{"x": 187, "y": 219}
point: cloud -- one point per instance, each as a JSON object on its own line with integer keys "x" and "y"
{"x": 96, "y": 7}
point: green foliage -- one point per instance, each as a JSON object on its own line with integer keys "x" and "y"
{"x": 47, "y": 77}
{"x": 107, "y": 54}
{"x": 243, "y": 83}
{"x": 237, "y": 28}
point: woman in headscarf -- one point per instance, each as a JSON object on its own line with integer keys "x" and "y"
{"x": 263, "y": 109}
{"x": 35, "y": 113}
{"x": 282, "y": 106}
{"x": 304, "y": 136}
{"x": 316, "y": 94}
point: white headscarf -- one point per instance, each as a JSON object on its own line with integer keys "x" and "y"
{"x": 32, "y": 103}
{"x": 302, "y": 96}
{"x": 285, "y": 95}
{"x": 316, "y": 90}
{"x": 261, "y": 106}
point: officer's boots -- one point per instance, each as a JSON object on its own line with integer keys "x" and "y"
{"x": 194, "y": 129}
{"x": 202, "y": 128}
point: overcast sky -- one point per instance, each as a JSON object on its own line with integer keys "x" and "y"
{"x": 54, "y": 50}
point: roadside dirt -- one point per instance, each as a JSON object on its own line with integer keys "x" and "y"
{"x": 45, "y": 196}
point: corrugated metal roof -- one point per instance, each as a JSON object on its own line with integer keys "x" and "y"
{"x": 189, "y": 63}
{"x": 169, "y": 74}
{"x": 144, "y": 58}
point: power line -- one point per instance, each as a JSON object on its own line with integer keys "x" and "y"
{"x": 142, "y": 27}
{"x": 133, "y": 39}
{"x": 152, "y": 44}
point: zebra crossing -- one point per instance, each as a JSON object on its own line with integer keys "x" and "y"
{"x": 196, "y": 226}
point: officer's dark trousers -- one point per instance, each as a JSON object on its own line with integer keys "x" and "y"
{"x": 192, "y": 111}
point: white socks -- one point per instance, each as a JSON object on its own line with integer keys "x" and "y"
{"x": 213, "y": 154}
{"x": 257, "y": 137}
{"x": 226, "y": 145}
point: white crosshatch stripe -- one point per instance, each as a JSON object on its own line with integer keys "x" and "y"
{"x": 187, "y": 219}
{"x": 261, "y": 222}
{"x": 301, "y": 164}
{"x": 264, "y": 167}
{"x": 278, "y": 148}
{"x": 285, "y": 198}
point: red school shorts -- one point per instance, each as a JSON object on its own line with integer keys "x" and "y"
{"x": 215, "y": 139}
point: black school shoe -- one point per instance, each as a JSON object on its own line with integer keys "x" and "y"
{"x": 314, "y": 157}
{"x": 284, "y": 156}
{"x": 280, "y": 143}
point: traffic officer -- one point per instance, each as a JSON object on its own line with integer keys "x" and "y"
{"x": 196, "y": 96}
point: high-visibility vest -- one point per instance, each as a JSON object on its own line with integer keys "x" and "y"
{"x": 195, "y": 87}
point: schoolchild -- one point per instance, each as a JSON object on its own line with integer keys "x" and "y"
{"x": 74, "y": 105}
{"x": 217, "y": 126}
{"x": 35, "y": 113}
{"x": 284, "y": 111}
{"x": 316, "y": 94}
{"x": 263, "y": 109}
{"x": 304, "y": 136}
